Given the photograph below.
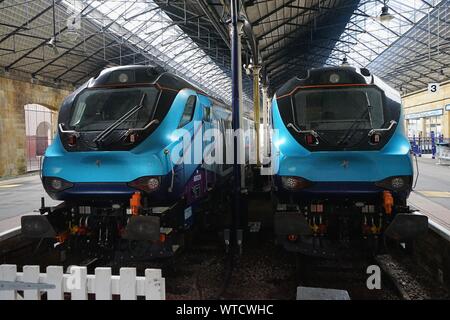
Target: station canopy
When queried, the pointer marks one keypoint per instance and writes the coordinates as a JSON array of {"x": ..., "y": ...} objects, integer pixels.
[
  {"x": 70, "y": 41},
  {"x": 409, "y": 51}
]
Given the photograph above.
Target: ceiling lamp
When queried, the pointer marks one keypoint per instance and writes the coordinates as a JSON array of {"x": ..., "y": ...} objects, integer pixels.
[
  {"x": 442, "y": 75},
  {"x": 385, "y": 16},
  {"x": 52, "y": 44},
  {"x": 71, "y": 36}
]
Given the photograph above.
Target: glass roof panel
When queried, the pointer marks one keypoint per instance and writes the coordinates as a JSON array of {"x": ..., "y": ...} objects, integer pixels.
[
  {"x": 366, "y": 37},
  {"x": 148, "y": 27}
]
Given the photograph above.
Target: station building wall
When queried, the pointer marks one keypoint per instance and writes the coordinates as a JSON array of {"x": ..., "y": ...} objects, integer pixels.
[
  {"x": 426, "y": 111},
  {"x": 14, "y": 95}
]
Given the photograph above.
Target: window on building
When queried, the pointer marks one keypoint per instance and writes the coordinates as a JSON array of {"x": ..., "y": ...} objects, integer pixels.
[{"x": 40, "y": 125}]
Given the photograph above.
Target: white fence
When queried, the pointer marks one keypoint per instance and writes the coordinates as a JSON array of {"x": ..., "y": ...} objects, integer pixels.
[{"x": 103, "y": 285}]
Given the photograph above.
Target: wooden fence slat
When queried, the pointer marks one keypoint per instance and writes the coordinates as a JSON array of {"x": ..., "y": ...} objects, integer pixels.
[
  {"x": 8, "y": 273},
  {"x": 90, "y": 283},
  {"x": 140, "y": 286},
  {"x": 115, "y": 285},
  {"x": 162, "y": 289},
  {"x": 102, "y": 284},
  {"x": 152, "y": 284},
  {"x": 31, "y": 274},
  {"x": 127, "y": 284},
  {"x": 77, "y": 283},
  {"x": 55, "y": 277}
]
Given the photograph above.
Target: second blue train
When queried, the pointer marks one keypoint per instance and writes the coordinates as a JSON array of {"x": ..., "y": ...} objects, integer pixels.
[{"x": 343, "y": 169}]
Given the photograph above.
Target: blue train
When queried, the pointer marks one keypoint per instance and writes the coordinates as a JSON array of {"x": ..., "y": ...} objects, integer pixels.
[
  {"x": 343, "y": 169},
  {"x": 112, "y": 163}
]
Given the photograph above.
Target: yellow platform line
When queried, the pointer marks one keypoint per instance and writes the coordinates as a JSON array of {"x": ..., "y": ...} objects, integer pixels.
[
  {"x": 435, "y": 194},
  {"x": 9, "y": 185}
]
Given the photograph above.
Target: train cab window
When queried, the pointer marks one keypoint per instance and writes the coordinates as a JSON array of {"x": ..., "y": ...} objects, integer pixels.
[
  {"x": 188, "y": 112},
  {"x": 339, "y": 109},
  {"x": 97, "y": 109},
  {"x": 207, "y": 114}
]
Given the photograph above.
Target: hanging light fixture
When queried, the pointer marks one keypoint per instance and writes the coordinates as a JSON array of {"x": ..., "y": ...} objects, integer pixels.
[
  {"x": 385, "y": 16},
  {"x": 52, "y": 44},
  {"x": 73, "y": 27},
  {"x": 442, "y": 75}
]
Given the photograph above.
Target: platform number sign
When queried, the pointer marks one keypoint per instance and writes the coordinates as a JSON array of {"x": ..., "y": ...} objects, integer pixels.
[{"x": 433, "y": 87}]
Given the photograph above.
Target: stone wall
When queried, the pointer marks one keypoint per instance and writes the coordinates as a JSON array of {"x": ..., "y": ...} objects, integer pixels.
[
  {"x": 14, "y": 95},
  {"x": 423, "y": 101}
]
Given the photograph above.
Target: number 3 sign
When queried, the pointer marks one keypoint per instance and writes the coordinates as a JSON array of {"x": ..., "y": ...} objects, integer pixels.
[{"x": 433, "y": 87}]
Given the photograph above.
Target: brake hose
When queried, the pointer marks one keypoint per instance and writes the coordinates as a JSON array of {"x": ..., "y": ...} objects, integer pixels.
[{"x": 417, "y": 169}]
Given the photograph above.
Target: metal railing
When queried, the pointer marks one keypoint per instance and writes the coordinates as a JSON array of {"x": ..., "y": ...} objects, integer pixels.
[{"x": 427, "y": 145}]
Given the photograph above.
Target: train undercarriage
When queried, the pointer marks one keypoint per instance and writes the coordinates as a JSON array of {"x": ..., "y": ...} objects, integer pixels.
[
  {"x": 329, "y": 227},
  {"x": 131, "y": 230}
]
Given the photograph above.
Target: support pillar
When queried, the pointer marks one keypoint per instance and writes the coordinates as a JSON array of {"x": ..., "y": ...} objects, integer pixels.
[
  {"x": 265, "y": 119},
  {"x": 256, "y": 117},
  {"x": 235, "y": 110},
  {"x": 240, "y": 26}
]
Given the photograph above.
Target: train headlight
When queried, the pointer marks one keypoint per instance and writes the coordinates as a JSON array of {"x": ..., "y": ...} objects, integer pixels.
[
  {"x": 53, "y": 184},
  {"x": 294, "y": 183},
  {"x": 147, "y": 184},
  {"x": 123, "y": 77},
  {"x": 334, "y": 78},
  {"x": 399, "y": 183},
  {"x": 56, "y": 184}
]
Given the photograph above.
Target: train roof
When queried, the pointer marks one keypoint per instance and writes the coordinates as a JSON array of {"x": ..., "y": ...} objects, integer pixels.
[
  {"x": 321, "y": 76},
  {"x": 346, "y": 75},
  {"x": 139, "y": 74}
]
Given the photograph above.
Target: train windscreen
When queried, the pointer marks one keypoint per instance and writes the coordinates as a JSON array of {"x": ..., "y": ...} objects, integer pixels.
[
  {"x": 338, "y": 109},
  {"x": 97, "y": 109}
]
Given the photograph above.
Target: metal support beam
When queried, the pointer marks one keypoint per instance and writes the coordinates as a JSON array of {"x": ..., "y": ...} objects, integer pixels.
[
  {"x": 45, "y": 41},
  {"x": 27, "y": 22},
  {"x": 235, "y": 106},
  {"x": 256, "y": 70},
  {"x": 241, "y": 98},
  {"x": 212, "y": 15}
]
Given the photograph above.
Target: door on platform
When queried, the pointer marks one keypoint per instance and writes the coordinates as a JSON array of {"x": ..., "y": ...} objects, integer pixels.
[
  {"x": 414, "y": 128},
  {"x": 433, "y": 124},
  {"x": 40, "y": 128}
]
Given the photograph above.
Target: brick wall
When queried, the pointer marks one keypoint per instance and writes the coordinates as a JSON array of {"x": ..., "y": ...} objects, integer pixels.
[{"x": 14, "y": 95}]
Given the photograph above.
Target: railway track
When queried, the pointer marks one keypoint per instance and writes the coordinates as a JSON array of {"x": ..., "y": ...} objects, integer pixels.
[{"x": 262, "y": 272}]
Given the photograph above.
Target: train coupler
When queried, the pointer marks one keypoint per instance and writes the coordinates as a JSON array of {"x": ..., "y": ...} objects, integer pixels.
[
  {"x": 37, "y": 226},
  {"x": 407, "y": 226},
  {"x": 290, "y": 221},
  {"x": 142, "y": 228}
]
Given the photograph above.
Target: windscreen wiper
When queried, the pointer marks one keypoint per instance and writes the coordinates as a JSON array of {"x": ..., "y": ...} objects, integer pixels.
[
  {"x": 350, "y": 131},
  {"x": 314, "y": 133},
  {"x": 369, "y": 110},
  {"x": 102, "y": 135},
  {"x": 392, "y": 123}
]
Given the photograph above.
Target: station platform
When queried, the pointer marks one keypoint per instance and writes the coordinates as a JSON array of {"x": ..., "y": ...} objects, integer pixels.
[
  {"x": 431, "y": 195},
  {"x": 20, "y": 196}
]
